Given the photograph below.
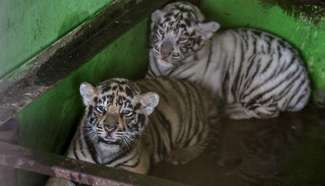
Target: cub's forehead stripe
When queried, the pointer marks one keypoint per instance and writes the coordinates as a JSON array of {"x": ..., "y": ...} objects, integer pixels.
[
  {"x": 123, "y": 95},
  {"x": 188, "y": 12},
  {"x": 119, "y": 91}
]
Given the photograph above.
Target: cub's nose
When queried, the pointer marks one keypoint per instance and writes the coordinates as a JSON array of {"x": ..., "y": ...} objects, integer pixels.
[
  {"x": 111, "y": 123},
  {"x": 166, "y": 49},
  {"x": 110, "y": 128}
]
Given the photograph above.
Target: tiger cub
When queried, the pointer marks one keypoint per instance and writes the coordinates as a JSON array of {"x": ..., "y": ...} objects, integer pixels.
[
  {"x": 130, "y": 125},
  {"x": 257, "y": 74}
]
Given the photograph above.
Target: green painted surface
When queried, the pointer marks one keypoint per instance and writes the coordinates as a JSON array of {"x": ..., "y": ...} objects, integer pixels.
[
  {"x": 301, "y": 31},
  {"x": 49, "y": 122},
  {"x": 52, "y": 116},
  {"x": 27, "y": 26}
]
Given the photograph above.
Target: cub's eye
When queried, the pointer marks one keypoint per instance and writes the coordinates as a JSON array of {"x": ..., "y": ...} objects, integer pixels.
[
  {"x": 155, "y": 38},
  {"x": 100, "y": 109},
  {"x": 182, "y": 25},
  {"x": 127, "y": 112}
]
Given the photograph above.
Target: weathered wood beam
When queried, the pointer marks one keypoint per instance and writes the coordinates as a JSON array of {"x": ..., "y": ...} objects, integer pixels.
[
  {"x": 9, "y": 134},
  {"x": 78, "y": 171},
  {"x": 24, "y": 84}
]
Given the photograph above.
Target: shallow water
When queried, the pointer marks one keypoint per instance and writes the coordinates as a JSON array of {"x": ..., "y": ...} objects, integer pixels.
[{"x": 288, "y": 150}]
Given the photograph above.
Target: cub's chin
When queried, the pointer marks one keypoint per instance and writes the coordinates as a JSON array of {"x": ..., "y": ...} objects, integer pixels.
[{"x": 107, "y": 139}]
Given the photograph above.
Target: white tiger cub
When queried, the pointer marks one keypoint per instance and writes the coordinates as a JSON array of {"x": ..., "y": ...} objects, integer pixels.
[
  {"x": 131, "y": 125},
  {"x": 257, "y": 74}
]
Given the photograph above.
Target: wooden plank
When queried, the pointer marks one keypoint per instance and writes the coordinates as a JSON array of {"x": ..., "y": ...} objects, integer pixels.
[
  {"x": 8, "y": 133},
  {"x": 77, "y": 171},
  {"x": 20, "y": 87}
]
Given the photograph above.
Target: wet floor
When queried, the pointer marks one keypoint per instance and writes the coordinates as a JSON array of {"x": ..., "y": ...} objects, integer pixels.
[{"x": 288, "y": 150}]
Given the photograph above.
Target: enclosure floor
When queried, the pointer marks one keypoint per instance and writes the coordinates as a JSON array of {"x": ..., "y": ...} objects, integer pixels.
[{"x": 247, "y": 152}]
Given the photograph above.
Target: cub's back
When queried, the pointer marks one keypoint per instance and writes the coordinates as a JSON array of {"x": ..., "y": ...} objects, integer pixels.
[
  {"x": 254, "y": 41},
  {"x": 181, "y": 96}
]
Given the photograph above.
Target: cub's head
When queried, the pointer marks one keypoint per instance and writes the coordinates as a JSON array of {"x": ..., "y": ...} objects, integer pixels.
[
  {"x": 116, "y": 110},
  {"x": 178, "y": 31}
]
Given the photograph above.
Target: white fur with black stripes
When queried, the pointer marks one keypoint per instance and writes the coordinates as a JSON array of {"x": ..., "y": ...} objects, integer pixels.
[{"x": 256, "y": 73}]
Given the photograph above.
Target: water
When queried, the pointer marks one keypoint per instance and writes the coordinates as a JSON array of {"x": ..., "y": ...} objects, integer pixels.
[{"x": 288, "y": 150}]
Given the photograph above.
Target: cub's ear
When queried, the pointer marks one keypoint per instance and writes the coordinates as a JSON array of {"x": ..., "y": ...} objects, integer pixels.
[
  {"x": 156, "y": 15},
  {"x": 148, "y": 102},
  {"x": 88, "y": 92},
  {"x": 207, "y": 29}
]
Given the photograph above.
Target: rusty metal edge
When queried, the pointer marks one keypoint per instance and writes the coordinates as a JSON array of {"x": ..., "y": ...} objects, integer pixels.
[{"x": 21, "y": 86}]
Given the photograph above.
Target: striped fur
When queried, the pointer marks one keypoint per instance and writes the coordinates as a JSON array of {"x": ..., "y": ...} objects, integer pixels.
[
  {"x": 257, "y": 74},
  {"x": 125, "y": 127}
]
